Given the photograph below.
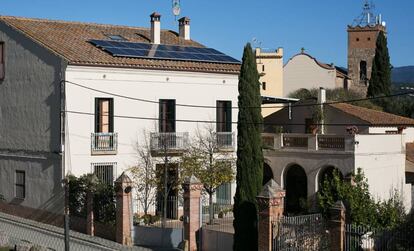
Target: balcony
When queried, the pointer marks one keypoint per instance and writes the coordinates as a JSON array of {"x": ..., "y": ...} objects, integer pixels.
[
  {"x": 225, "y": 141},
  {"x": 104, "y": 143},
  {"x": 309, "y": 142},
  {"x": 170, "y": 143}
]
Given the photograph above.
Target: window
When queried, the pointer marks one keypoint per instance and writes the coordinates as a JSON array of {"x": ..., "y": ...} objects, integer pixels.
[
  {"x": 2, "y": 64},
  {"x": 117, "y": 37},
  {"x": 264, "y": 86},
  {"x": 167, "y": 115},
  {"x": 105, "y": 172},
  {"x": 104, "y": 115},
  {"x": 223, "y": 194},
  {"x": 363, "y": 71},
  {"x": 223, "y": 113},
  {"x": 20, "y": 184}
]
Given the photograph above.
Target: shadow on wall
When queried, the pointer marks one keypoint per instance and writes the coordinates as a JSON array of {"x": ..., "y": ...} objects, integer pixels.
[{"x": 157, "y": 237}]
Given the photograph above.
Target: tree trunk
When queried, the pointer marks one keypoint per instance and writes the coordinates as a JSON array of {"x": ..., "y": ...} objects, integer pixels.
[{"x": 211, "y": 208}]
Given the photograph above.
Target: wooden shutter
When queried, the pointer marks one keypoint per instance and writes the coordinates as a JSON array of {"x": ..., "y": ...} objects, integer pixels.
[
  {"x": 97, "y": 115},
  {"x": 228, "y": 111},
  {"x": 111, "y": 115}
]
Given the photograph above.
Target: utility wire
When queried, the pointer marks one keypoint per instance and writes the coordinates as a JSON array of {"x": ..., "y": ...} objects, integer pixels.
[
  {"x": 249, "y": 123},
  {"x": 236, "y": 107}
]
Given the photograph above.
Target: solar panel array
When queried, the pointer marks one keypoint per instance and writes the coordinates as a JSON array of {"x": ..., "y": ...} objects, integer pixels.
[{"x": 170, "y": 52}]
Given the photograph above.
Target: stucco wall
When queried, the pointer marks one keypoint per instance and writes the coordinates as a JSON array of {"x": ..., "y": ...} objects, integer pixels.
[
  {"x": 302, "y": 71},
  {"x": 30, "y": 121}
]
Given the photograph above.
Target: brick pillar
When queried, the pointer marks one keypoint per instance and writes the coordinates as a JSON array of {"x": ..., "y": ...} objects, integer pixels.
[
  {"x": 192, "y": 221},
  {"x": 337, "y": 226},
  {"x": 123, "y": 186},
  {"x": 90, "y": 226},
  {"x": 270, "y": 202}
]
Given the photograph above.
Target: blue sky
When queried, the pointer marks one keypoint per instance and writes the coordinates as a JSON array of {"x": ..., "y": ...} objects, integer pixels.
[{"x": 318, "y": 26}]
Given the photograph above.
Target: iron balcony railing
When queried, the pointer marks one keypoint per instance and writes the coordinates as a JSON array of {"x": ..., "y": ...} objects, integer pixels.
[
  {"x": 169, "y": 141},
  {"x": 225, "y": 140},
  {"x": 104, "y": 143}
]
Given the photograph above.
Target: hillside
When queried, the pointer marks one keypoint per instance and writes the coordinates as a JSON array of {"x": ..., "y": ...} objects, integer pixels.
[{"x": 403, "y": 74}]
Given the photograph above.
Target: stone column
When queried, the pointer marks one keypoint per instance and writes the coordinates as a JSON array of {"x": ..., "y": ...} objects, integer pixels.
[
  {"x": 192, "y": 221},
  {"x": 270, "y": 202},
  {"x": 337, "y": 226},
  {"x": 123, "y": 187}
]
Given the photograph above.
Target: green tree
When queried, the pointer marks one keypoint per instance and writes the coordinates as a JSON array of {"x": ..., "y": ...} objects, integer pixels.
[
  {"x": 249, "y": 155},
  {"x": 380, "y": 82},
  {"x": 205, "y": 160}
]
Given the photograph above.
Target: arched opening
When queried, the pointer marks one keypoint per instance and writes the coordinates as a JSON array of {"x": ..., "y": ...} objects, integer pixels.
[
  {"x": 327, "y": 173},
  {"x": 267, "y": 173},
  {"x": 363, "y": 71},
  {"x": 296, "y": 185}
]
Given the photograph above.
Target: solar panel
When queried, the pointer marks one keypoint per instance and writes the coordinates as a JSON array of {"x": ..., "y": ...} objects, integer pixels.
[{"x": 170, "y": 52}]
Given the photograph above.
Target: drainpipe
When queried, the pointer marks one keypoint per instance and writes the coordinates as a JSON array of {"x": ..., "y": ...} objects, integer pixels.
[{"x": 322, "y": 101}]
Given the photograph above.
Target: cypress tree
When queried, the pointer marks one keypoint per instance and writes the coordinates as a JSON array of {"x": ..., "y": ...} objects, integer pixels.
[
  {"x": 380, "y": 82},
  {"x": 249, "y": 155}
]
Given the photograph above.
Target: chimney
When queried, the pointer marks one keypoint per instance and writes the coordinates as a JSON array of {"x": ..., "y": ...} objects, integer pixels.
[
  {"x": 322, "y": 101},
  {"x": 155, "y": 28},
  {"x": 184, "y": 28}
]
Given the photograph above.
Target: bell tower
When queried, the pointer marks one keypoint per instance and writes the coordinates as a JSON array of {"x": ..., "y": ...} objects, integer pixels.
[{"x": 362, "y": 38}]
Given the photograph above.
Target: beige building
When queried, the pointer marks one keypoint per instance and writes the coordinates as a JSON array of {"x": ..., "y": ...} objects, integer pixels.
[
  {"x": 305, "y": 71},
  {"x": 270, "y": 68}
]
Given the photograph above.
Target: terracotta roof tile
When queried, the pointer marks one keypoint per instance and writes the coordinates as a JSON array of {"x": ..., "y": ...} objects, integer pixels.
[
  {"x": 373, "y": 117},
  {"x": 70, "y": 41}
]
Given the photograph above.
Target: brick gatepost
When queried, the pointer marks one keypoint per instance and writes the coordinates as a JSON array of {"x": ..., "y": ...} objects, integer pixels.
[
  {"x": 123, "y": 187},
  {"x": 337, "y": 226},
  {"x": 270, "y": 203},
  {"x": 192, "y": 221}
]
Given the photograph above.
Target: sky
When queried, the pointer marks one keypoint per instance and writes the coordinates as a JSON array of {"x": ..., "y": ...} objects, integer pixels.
[{"x": 227, "y": 25}]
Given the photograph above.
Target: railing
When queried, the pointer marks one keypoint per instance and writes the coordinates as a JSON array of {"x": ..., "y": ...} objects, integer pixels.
[
  {"x": 294, "y": 141},
  {"x": 309, "y": 142},
  {"x": 104, "y": 143},
  {"x": 225, "y": 140},
  {"x": 170, "y": 141},
  {"x": 331, "y": 142}
]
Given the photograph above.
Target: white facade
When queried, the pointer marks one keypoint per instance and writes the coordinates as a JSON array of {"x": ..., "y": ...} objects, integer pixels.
[
  {"x": 381, "y": 157},
  {"x": 185, "y": 87},
  {"x": 303, "y": 71}
]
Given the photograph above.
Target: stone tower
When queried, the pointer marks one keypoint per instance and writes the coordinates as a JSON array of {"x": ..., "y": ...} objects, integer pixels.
[{"x": 362, "y": 38}]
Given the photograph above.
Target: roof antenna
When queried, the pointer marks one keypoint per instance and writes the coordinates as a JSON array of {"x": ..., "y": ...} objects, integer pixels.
[
  {"x": 176, "y": 8},
  {"x": 367, "y": 17}
]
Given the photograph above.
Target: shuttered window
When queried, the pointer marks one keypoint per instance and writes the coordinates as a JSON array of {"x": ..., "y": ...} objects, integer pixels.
[
  {"x": 223, "y": 114},
  {"x": 104, "y": 115},
  {"x": 167, "y": 115},
  {"x": 20, "y": 184}
]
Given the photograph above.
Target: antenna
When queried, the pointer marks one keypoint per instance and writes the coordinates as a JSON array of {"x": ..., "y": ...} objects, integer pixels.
[
  {"x": 367, "y": 18},
  {"x": 176, "y": 8}
]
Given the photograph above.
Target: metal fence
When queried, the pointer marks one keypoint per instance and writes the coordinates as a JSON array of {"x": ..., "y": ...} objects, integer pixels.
[
  {"x": 225, "y": 140},
  {"x": 169, "y": 141},
  {"x": 104, "y": 142},
  {"x": 366, "y": 238},
  {"x": 300, "y": 233},
  {"x": 219, "y": 216}
]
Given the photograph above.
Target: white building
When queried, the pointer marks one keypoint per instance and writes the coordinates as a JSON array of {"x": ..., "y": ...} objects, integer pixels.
[
  {"x": 299, "y": 160},
  {"x": 116, "y": 82},
  {"x": 305, "y": 71}
]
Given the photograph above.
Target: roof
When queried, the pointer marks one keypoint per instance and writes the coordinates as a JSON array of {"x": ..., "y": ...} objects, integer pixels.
[
  {"x": 339, "y": 71},
  {"x": 373, "y": 117},
  {"x": 69, "y": 40}
]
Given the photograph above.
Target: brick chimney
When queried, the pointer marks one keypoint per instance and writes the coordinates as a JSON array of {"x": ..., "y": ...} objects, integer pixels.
[
  {"x": 184, "y": 28},
  {"x": 155, "y": 28}
]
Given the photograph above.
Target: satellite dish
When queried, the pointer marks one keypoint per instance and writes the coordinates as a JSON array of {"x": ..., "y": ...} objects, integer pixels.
[{"x": 176, "y": 8}]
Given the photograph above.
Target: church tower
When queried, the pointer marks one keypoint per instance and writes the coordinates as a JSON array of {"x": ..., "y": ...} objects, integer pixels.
[{"x": 362, "y": 38}]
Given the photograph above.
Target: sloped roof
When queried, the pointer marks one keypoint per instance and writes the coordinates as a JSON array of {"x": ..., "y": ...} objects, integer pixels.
[
  {"x": 373, "y": 117},
  {"x": 69, "y": 40}
]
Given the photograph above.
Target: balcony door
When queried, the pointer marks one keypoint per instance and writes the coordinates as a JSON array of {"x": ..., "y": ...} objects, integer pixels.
[
  {"x": 104, "y": 116},
  {"x": 167, "y": 115},
  {"x": 223, "y": 114}
]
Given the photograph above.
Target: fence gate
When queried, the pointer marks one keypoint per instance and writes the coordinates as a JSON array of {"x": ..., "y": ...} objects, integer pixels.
[{"x": 300, "y": 233}]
